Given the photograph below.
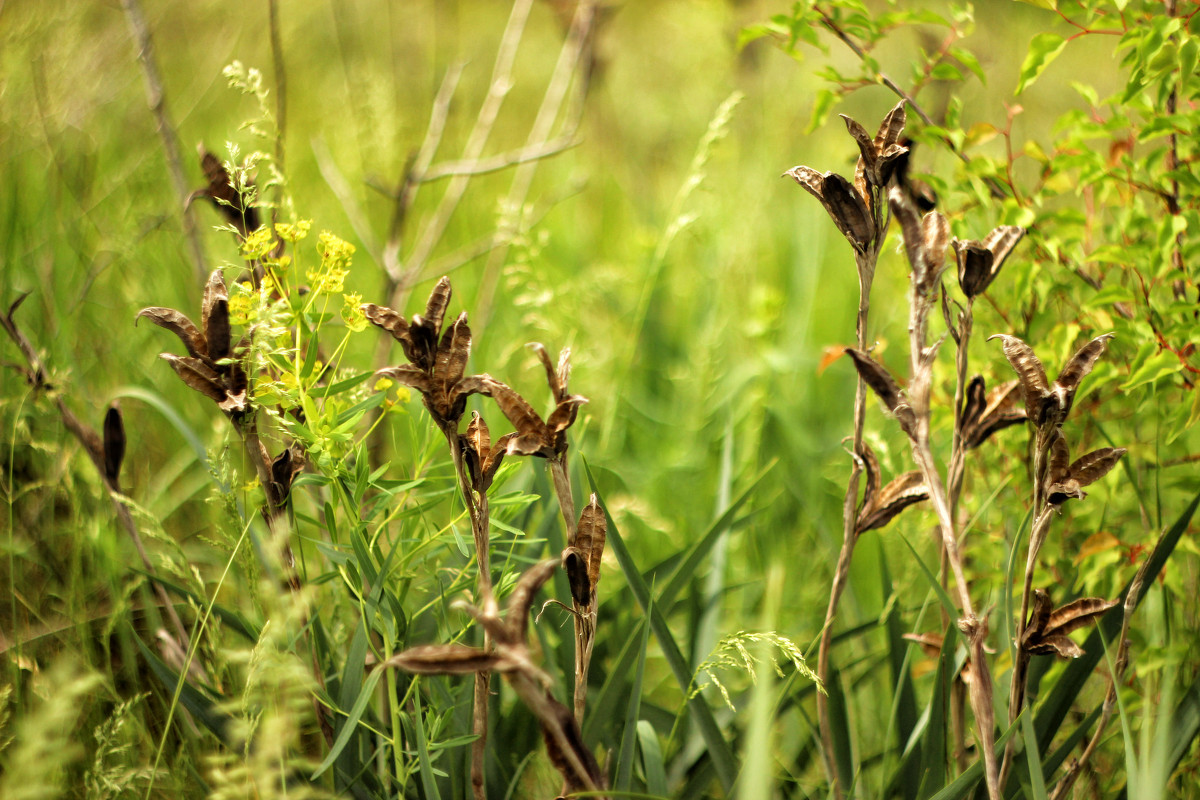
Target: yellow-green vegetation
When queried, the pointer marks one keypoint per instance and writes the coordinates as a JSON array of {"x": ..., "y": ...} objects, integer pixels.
[{"x": 447, "y": 399}]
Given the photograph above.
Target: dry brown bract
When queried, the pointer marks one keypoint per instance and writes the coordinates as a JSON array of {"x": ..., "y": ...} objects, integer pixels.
[
  {"x": 881, "y": 505},
  {"x": 1048, "y": 404},
  {"x": 208, "y": 367},
  {"x": 437, "y": 364},
  {"x": 1046, "y": 633},
  {"x": 986, "y": 412}
]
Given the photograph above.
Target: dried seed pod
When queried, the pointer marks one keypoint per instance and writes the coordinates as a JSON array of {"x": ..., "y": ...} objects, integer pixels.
[
  {"x": 1047, "y": 404},
  {"x": 215, "y": 317},
  {"x": 898, "y": 495},
  {"x": 844, "y": 203},
  {"x": 925, "y": 241},
  {"x": 1066, "y": 481},
  {"x": 228, "y": 201},
  {"x": 980, "y": 261},
  {"x": 575, "y": 564},
  {"x": 1047, "y": 631},
  {"x": 996, "y": 411},
  {"x": 521, "y": 599},
  {"x": 446, "y": 659},
  {"x": 178, "y": 324},
  {"x": 114, "y": 445},
  {"x": 594, "y": 525},
  {"x": 880, "y": 154},
  {"x": 197, "y": 375},
  {"x": 883, "y": 384}
]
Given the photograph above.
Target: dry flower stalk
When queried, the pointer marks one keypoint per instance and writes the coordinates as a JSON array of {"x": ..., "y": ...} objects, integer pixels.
[{"x": 860, "y": 212}]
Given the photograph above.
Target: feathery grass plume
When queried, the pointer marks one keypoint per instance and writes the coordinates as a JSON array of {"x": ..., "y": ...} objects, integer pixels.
[
  {"x": 45, "y": 747},
  {"x": 733, "y": 653}
]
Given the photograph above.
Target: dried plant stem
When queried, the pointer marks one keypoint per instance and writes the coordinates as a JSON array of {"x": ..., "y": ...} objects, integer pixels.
[
  {"x": 156, "y": 99},
  {"x": 488, "y": 111},
  {"x": 866, "y": 273},
  {"x": 975, "y": 628},
  {"x": 477, "y": 510},
  {"x": 1020, "y": 673},
  {"x": 570, "y": 57},
  {"x": 585, "y": 615},
  {"x": 280, "y": 71}
]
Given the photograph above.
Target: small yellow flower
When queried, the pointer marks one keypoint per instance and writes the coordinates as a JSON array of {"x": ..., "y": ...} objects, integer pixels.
[
  {"x": 258, "y": 243},
  {"x": 352, "y": 315},
  {"x": 293, "y": 232}
]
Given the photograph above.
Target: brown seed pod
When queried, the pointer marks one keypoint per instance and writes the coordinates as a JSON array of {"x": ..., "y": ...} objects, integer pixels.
[
  {"x": 1045, "y": 403},
  {"x": 228, "y": 201},
  {"x": 446, "y": 659},
  {"x": 114, "y": 445},
  {"x": 980, "y": 261},
  {"x": 1047, "y": 631},
  {"x": 883, "y": 384},
  {"x": 898, "y": 495}
]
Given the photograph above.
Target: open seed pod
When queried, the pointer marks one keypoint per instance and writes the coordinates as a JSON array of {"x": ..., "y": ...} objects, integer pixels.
[
  {"x": 925, "y": 240},
  {"x": 535, "y": 437},
  {"x": 881, "y": 504},
  {"x": 985, "y": 412},
  {"x": 438, "y": 358},
  {"x": 1046, "y": 403},
  {"x": 208, "y": 367},
  {"x": 225, "y": 197},
  {"x": 482, "y": 456},
  {"x": 979, "y": 261},
  {"x": 883, "y": 384},
  {"x": 582, "y": 559},
  {"x": 1047, "y": 630},
  {"x": 1065, "y": 479}
]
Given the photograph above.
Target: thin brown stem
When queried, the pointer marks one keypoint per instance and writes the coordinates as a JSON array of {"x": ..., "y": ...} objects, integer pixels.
[
  {"x": 866, "y": 273},
  {"x": 280, "y": 70},
  {"x": 156, "y": 99}
]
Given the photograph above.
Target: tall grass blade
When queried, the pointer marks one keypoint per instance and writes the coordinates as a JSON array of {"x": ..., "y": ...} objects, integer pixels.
[
  {"x": 652, "y": 760},
  {"x": 197, "y": 702},
  {"x": 624, "y": 770}
]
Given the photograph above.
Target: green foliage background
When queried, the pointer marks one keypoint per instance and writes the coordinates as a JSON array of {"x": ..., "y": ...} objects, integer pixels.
[{"x": 699, "y": 293}]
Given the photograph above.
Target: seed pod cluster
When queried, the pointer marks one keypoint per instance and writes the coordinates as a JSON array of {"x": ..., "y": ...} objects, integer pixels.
[
  {"x": 1048, "y": 404},
  {"x": 854, "y": 207},
  {"x": 209, "y": 367}
]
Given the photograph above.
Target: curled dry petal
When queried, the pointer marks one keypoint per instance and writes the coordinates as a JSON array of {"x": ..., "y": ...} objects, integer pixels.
[
  {"x": 1077, "y": 614},
  {"x": 391, "y": 321},
  {"x": 590, "y": 536},
  {"x": 178, "y": 324},
  {"x": 873, "y": 482},
  {"x": 114, "y": 444}
]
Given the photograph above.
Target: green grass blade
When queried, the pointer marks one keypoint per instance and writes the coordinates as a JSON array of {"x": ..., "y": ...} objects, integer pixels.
[
  {"x": 351, "y": 722},
  {"x": 932, "y": 766},
  {"x": 1037, "y": 784},
  {"x": 198, "y": 704},
  {"x": 964, "y": 784},
  {"x": 624, "y": 770},
  {"x": 602, "y": 708},
  {"x": 719, "y": 751},
  {"x": 652, "y": 759},
  {"x": 947, "y": 603}
]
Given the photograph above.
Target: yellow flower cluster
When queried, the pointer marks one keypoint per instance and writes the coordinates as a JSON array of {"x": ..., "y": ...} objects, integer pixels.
[{"x": 335, "y": 264}]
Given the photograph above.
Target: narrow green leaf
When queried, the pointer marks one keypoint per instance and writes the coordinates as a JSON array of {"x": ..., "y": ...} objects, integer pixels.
[
  {"x": 1037, "y": 784},
  {"x": 351, "y": 722},
  {"x": 839, "y": 727},
  {"x": 197, "y": 702},
  {"x": 652, "y": 759},
  {"x": 624, "y": 770},
  {"x": 1044, "y": 48},
  {"x": 947, "y": 603},
  {"x": 428, "y": 782},
  {"x": 962, "y": 786},
  {"x": 933, "y": 755}
]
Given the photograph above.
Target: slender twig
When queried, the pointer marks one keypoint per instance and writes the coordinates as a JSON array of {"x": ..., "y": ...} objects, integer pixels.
[
  {"x": 570, "y": 58},
  {"x": 490, "y": 108},
  {"x": 156, "y": 99}
]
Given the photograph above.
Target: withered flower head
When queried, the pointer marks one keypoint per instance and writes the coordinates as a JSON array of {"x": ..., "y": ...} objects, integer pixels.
[
  {"x": 1047, "y": 630},
  {"x": 852, "y": 206},
  {"x": 224, "y": 195},
  {"x": 881, "y": 505},
  {"x": 207, "y": 368},
  {"x": 986, "y": 412},
  {"x": 534, "y": 437},
  {"x": 1047, "y": 404},
  {"x": 980, "y": 262},
  {"x": 438, "y": 364},
  {"x": 1065, "y": 479}
]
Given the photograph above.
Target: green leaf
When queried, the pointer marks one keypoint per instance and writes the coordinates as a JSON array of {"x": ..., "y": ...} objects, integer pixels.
[
  {"x": 1044, "y": 48},
  {"x": 428, "y": 783},
  {"x": 197, "y": 702},
  {"x": 1155, "y": 367},
  {"x": 652, "y": 759},
  {"x": 1037, "y": 784},
  {"x": 624, "y": 770},
  {"x": 351, "y": 721}
]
